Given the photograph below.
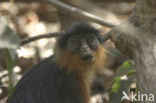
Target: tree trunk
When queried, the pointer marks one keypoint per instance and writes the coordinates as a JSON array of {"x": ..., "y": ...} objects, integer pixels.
[{"x": 137, "y": 39}]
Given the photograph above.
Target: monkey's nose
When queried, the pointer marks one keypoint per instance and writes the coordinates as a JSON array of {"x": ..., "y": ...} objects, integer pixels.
[{"x": 84, "y": 49}]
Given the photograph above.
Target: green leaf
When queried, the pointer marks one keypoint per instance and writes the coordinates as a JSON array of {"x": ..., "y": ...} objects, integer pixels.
[
  {"x": 10, "y": 64},
  {"x": 131, "y": 72},
  {"x": 127, "y": 64},
  {"x": 115, "y": 87},
  {"x": 8, "y": 37},
  {"x": 116, "y": 84},
  {"x": 116, "y": 79}
]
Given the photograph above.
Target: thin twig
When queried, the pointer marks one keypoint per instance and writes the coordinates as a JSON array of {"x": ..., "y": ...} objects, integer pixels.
[
  {"x": 57, "y": 34},
  {"x": 28, "y": 40},
  {"x": 80, "y": 13}
]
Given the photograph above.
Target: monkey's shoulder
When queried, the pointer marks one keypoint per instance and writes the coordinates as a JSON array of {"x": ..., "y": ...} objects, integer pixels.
[
  {"x": 46, "y": 81},
  {"x": 44, "y": 72}
]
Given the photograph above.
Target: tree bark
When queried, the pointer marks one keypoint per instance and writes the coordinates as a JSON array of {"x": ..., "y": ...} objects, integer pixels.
[{"x": 137, "y": 39}]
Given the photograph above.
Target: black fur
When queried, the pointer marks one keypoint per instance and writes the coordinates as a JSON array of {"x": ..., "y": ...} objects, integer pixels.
[
  {"x": 77, "y": 29},
  {"x": 46, "y": 83}
]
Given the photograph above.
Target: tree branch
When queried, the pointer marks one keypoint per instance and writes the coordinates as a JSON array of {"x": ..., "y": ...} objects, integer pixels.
[
  {"x": 80, "y": 13},
  {"x": 57, "y": 34},
  {"x": 28, "y": 40}
]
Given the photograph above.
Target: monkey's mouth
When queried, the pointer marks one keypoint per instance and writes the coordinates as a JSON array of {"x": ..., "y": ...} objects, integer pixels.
[{"x": 87, "y": 58}]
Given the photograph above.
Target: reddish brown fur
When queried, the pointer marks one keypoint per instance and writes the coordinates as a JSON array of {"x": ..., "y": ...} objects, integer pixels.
[{"x": 83, "y": 71}]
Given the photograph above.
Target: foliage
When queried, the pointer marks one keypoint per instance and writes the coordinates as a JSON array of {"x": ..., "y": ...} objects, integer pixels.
[
  {"x": 123, "y": 78},
  {"x": 8, "y": 37},
  {"x": 9, "y": 43}
]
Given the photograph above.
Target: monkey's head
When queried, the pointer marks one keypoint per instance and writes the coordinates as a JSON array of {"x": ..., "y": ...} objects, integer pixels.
[{"x": 80, "y": 44}]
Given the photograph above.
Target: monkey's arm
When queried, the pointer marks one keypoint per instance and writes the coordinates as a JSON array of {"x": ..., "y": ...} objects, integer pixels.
[{"x": 46, "y": 83}]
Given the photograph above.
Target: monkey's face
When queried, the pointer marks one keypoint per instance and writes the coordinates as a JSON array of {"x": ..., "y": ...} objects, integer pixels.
[{"x": 83, "y": 46}]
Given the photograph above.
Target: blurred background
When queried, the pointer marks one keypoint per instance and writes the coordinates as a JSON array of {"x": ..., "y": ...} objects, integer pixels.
[{"x": 21, "y": 19}]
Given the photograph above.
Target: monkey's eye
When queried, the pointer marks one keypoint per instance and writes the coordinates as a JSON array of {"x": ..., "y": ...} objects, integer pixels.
[
  {"x": 90, "y": 40},
  {"x": 75, "y": 42}
]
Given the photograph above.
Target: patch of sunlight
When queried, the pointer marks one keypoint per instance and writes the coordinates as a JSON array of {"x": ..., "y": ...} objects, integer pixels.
[{"x": 26, "y": 52}]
